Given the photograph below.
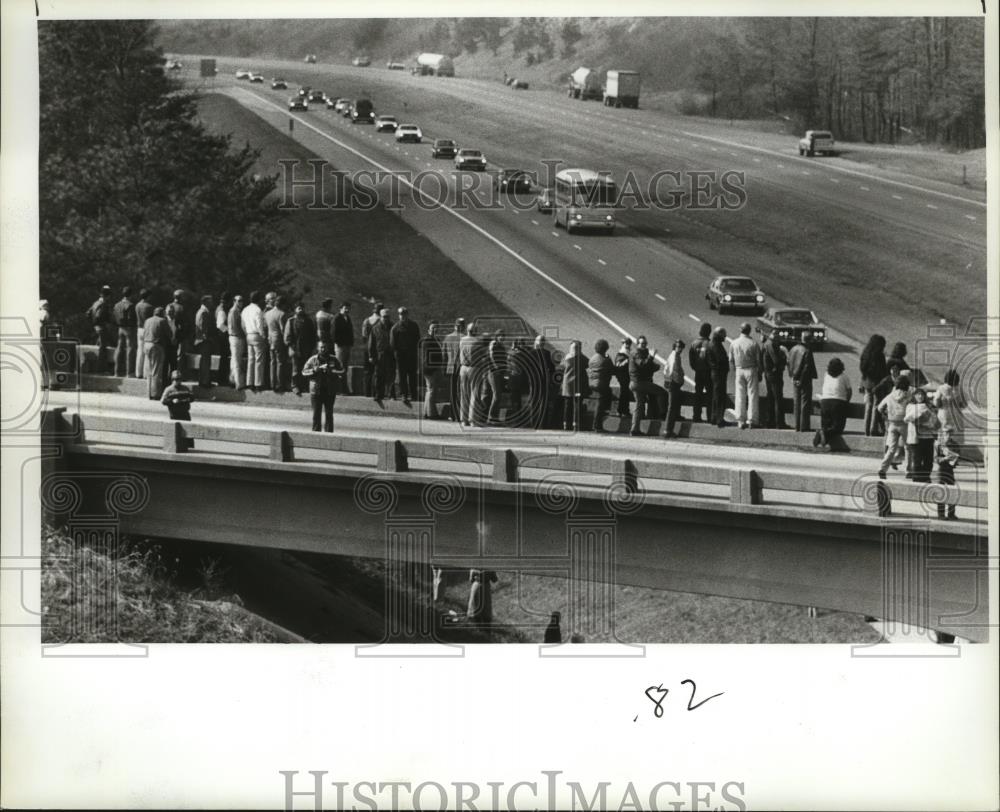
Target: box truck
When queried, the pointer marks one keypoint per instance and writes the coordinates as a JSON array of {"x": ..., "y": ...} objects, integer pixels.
[{"x": 621, "y": 89}]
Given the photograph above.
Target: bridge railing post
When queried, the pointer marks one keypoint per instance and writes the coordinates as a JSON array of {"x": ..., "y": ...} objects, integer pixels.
[
  {"x": 504, "y": 465},
  {"x": 392, "y": 456},
  {"x": 625, "y": 472},
  {"x": 745, "y": 487},
  {"x": 282, "y": 447},
  {"x": 175, "y": 439}
]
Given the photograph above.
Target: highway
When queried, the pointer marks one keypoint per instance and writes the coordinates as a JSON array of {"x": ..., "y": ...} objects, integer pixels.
[{"x": 814, "y": 232}]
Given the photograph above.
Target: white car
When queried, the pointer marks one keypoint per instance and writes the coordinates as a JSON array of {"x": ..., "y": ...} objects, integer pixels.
[
  {"x": 409, "y": 132},
  {"x": 386, "y": 124},
  {"x": 243, "y": 74},
  {"x": 257, "y": 78},
  {"x": 470, "y": 159},
  {"x": 341, "y": 105}
]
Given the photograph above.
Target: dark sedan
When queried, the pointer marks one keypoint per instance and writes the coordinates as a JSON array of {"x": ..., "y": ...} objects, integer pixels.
[
  {"x": 514, "y": 180},
  {"x": 786, "y": 324},
  {"x": 444, "y": 148},
  {"x": 734, "y": 293},
  {"x": 279, "y": 84},
  {"x": 298, "y": 103}
]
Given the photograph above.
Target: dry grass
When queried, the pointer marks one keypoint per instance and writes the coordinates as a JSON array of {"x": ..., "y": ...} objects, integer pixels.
[{"x": 89, "y": 596}]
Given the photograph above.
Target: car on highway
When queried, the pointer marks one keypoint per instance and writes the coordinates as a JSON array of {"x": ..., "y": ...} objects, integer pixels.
[
  {"x": 362, "y": 112},
  {"x": 470, "y": 159},
  {"x": 386, "y": 124},
  {"x": 298, "y": 103},
  {"x": 409, "y": 132},
  {"x": 395, "y": 66},
  {"x": 785, "y": 326},
  {"x": 173, "y": 64},
  {"x": 585, "y": 199},
  {"x": 734, "y": 293},
  {"x": 304, "y": 90},
  {"x": 443, "y": 148},
  {"x": 545, "y": 200},
  {"x": 361, "y": 61},
  {"x": 513, "y": 180},
  {"x": 310, "y": 59},
  {"x": 317, "y": 97},
  {"x": 341, "y": 106},
  {"x": 278, "y": 84},
  {"x": 257, "y": 78},
  {"x": 816, "y": 141},
  {"x": 243, "y": 74}
]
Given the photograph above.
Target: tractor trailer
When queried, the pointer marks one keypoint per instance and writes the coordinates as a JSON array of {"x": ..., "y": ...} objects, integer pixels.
[
  {"x": 621, "y": 89},
  {"x": 434, "y": 65},
  {"x": 585, "y": 83}
]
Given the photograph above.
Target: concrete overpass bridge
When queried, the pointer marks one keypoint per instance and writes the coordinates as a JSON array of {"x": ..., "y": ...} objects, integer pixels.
[{"x": 643, "y": 514}]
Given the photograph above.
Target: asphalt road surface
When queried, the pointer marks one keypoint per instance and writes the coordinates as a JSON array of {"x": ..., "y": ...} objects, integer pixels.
[{"x": 859, "y": 247}]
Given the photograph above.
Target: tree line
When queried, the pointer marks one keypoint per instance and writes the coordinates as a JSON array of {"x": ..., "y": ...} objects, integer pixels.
[
  {"x": 132, "y": 189},
  {"x": 878, "y": 79}
]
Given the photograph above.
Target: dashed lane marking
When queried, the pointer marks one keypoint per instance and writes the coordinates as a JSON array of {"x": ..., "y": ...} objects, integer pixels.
[
  {"x": 555, "y": 233},
  {"x": 577, "y": 247},
  {"x": 602, "y": 262},
  {"x": 660, "y": 297},
  {"x": 865, "y": 189},
  {"x": 833, "y": 180},
  {"x": 896, "y": 197},
  {"x": 629, "y": 278},
  {"x": 970, "y": 217},
  {"x": 693, "y": 316},
  {"x": 534, "y": 222},
  {"x": 931, "y": 206}
]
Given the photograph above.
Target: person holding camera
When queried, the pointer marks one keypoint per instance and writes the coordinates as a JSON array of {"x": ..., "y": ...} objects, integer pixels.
[{"x": 323, "y": 371}]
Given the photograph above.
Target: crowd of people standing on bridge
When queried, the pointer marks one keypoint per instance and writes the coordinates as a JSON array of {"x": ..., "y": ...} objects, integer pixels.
[{"x": 489, "y": 380}]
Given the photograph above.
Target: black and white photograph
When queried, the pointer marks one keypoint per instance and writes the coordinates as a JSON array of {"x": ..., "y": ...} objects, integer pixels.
[{"x": 662, "y": 349}]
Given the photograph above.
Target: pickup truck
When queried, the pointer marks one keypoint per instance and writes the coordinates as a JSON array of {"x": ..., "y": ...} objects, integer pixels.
[{"x": 816, "y": 141}]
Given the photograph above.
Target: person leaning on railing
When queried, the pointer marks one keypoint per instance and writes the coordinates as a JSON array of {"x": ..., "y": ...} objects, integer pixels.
[
  {"x": 873, "y": 368},
  {"x": 833, "y": 399}
]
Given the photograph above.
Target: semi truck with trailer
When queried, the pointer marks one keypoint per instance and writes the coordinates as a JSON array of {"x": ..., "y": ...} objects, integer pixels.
[{"x": 621, "y": 89}]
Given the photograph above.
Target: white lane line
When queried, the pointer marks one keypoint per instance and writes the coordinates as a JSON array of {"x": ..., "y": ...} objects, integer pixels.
[
  {"x": 840, "y": 169},
  {"x": 806, "y": 172},
  {"x": 515, "y": 211},
  {"x": 756, "y": 160},
  {"x": 733, "y": 154},
  {"x": 555, "y": 233},
  {"x": 629, "y": 278},
  {"x": 602, "y": 262},
  {"x": 970, "y": 217},
  {"x": 667, "y": 230},
  {"x": 931, "y": 206},
  {"x": 577, "y": 247},
  {"x": 833, "y": 180},
  {"x": 660, "y": 297},
  {"x": 478, "y": 229},
  {"x": 534, "y": 222},
  {"x": 781, "y": 166},
  {"x": 896, "y": 197},
  {"x": 693, "y": 316},
  {"x": 865, "y": 189}
]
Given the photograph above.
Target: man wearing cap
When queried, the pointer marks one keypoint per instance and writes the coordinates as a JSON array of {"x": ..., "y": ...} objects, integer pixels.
[
  {"x": 204, "y": 340},
  {"x": 143, "y": 310},
  {"x": 452, "y": 342},
  {"x": 237, "y": 344},
  {"x": 380, "y": 355},
  {"x": 177, "y": 398},
  {"x": 252, "y": 318},
  {"x": 673, "y": 378},
  {"x": 802, "y": 371},
  {"x": 405, "y": 340},
  {"x": 366, "y": 331},
  {"x": 343, "y": 343},
  {"x": 156, "y": 340},
  {"x": 744, "y": 358},
  {"x": 275, "y": 319},
  {"x": 125, "y": 320},
  {"x": 102, "y": 318}
]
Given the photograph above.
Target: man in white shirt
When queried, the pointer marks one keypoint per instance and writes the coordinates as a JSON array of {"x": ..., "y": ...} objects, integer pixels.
[
  {"x": 256, "y": 337},
  {"x": 744, "y": 358}
]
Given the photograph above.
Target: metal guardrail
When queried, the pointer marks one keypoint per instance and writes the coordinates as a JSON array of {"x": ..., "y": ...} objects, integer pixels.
[{"x": 747, "y": 486}]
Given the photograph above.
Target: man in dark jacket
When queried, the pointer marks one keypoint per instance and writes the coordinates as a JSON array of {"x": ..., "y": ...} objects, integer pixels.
[
  {"x": 205, "y": 340},
  {"x": 575, "y": 385},
  {"x": 621, "y": 360},
  {"x": 366, "y": 331},
  {"x": 542, "y": 385},
  {"x": 775, "y": 360},
  {"x": 718, "y": 366},
  {"x": 380, "y": 355},
  {"x": 183, "y": 332},
  {"x": 102, "y": 318},
  {"x": 600, "y": 369},
  {"x": 405, "y": 339},
  {"x": 433, "y": 363},
  {"x": 300, "y": 338},
  {"x": 641, "y": 369},
  {"x": 519, "y": 362},
  {"x": 698, "y": 361},
  {"x": 127, "y": 323},
  {"x": 343, "y": 342},
  {"x": 322, "y": 371},
  {"x": 143, "y": 310},
  {"x": 802, "y": 371}
]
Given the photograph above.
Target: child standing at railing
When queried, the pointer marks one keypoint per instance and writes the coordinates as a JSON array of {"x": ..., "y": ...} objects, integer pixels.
[{"x": 893, "y": 410}]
